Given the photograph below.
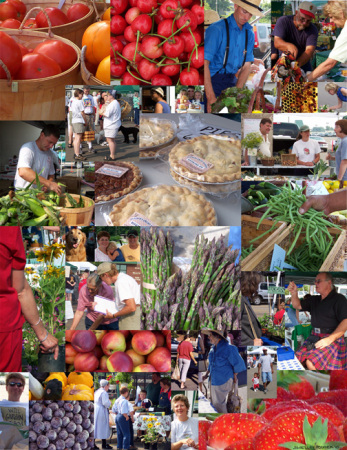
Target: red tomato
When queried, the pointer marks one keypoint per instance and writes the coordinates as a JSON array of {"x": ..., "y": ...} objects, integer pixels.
[
  {"x": 36, "y": 66},
  {"x": 20, "y": 7},
  {"x": 30, "y": 23},
  {"x": 24, "y": 50},
  {"x": 11, "y": 23},
  {"x": 10, "y": 54},
  {"x": 60, "y": 52},
  {"x": 77, "y": 11},
  {"x": 7, "y": 11},
  {"x": 56, "y": 15}
]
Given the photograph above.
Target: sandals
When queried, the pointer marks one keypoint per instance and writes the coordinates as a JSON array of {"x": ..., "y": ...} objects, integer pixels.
[
  {"x": 108, "y": 158},
  {"x": 79, "y": 158},
  {"x": 70, "y": 145}
]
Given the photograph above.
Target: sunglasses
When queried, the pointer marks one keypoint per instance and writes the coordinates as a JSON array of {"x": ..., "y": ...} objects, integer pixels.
[{"x": 12, "y": 383}]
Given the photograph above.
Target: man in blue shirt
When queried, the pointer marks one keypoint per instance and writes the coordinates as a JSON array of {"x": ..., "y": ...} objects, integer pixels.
[
  {"x": 297, "y": 35},
  {"x": 224, "y": 363},
  {"x": 121, "y": 409},
  {"x": 224, "y": 58}
]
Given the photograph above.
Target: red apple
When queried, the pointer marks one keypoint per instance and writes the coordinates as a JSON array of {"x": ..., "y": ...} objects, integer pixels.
[
  {"x": 83, "y": 341},
  {"x": 160, "y": 358},
  {"x": 99, "y": 335},
  {"x": 120, "y": 362},
  {"x": 137, "y": 359},
  {"x": 86, "y": 362},
  {"x": 103, "y": 363},
  {"x": 98, "y": 352},
  {"x": 160, "y": 338},
  {"x": 70, "y": 354},
  {"x": 145, "y": 368},
  {"x": 144, "y": 342},
  {"x": 113, "y": 341},
  {"x": 69, "y": 334}
]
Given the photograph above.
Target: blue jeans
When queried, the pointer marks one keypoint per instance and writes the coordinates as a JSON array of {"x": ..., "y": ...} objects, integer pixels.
[
  {"x": 137, "y": 116},
  {"x": 266, "y": 377},
  {"x": 110, "y": 326},
  {"x": 123, "y": 432}
]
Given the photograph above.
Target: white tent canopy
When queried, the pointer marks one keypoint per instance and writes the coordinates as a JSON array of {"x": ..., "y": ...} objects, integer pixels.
[
  {"x": 84, "y": 265},
  {"x": 259, "y": 351}
]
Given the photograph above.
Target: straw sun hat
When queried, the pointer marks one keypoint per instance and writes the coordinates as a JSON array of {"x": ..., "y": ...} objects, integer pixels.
[{"x": 251, "y": 6}]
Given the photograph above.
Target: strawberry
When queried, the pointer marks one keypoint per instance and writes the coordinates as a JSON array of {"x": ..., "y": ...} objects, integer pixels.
[
  {"x": 330, "y": 412},
  {"x": 245, "y": 444},
  {"x": 202, "y": 442},
  {"x": 295, "y": 383},
  {"x": 282, "y": 396},
  {"x": 293, "y": 429},
  {"x": 337, "y": 398},
  {"x": 338, "y": 380},
  {"x": 229, "y": 428},
  {"x": 278, "y": 409},
  {"x": 204, "y": 426},
  {"x": 345, "y": 430}
]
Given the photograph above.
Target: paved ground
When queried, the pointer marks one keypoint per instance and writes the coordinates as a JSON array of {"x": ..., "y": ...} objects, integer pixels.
[
  {"x": 137, "y": 443},
  {"x": 271, "y": 388},
  {"x": 191, "y": 383},
  {"x": 242, "y": 392}
]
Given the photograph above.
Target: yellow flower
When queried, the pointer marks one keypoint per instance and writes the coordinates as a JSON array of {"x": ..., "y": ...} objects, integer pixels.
[{"x": 150, "y": 425}]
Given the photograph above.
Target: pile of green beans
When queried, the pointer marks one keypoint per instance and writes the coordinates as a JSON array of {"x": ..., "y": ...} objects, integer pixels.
[{"x": 285, "y": 207}]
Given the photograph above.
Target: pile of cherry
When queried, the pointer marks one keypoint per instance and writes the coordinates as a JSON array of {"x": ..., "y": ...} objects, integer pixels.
[{"x": 157, "y": 44}]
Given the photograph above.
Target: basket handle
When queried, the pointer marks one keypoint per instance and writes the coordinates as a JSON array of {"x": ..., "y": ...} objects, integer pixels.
[
  {"x": 98, "y": 17},
  {"x": 8, "y": 74},
  {"x": 84, "y": 69},
  {"x": 50, "y": 33},
  {"x": 251, "y": 103}
]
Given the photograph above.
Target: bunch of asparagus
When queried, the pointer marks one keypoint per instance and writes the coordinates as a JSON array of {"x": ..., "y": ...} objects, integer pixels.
[{"x": 208, "y": 295}]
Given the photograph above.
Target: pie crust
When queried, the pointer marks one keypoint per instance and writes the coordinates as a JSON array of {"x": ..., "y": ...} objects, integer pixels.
[
  {"x": 224, "y": 154},
  {"x": 217, "y": 189},
  {"x": 108, "y": 188},
  {"x": 166, "y": 205},
  {"x": 155, "y": 132}
]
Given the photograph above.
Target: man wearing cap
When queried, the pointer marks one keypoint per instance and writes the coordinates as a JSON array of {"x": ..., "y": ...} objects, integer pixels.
[
  {"x": 161, "y": 106},
  {"x": 297, "y": 35},
  {"x": 224, "y": 363},
  {"x": 228, "y": 50},
  {"x": 265, "y": 362},
  {"x": 264, "y": 128},
  {"x": 127, "y": 293},
  {"x": 101, "y": 417},
  {"x": 307, "y": 150},
  {"x": 89, "y": 105},
  {"x": 95, "y": 286},
  {"x": 131, "y": 250}
]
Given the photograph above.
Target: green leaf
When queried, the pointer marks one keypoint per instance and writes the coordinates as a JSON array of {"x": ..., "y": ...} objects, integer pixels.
[
  {"x": 332, "y": 445},
  {"x": 319, "y": 431},
  {"x": 230, "y": 101},
  {"x": 293, "y": 446}
]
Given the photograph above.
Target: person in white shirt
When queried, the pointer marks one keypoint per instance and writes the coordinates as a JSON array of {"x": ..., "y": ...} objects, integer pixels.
[
  {"x": 90, "y": 105},
  {"x": 37, "y": 158},
  {"x": 184, "y": 429},
  {"x": 122, "y": 411},
  {"x": 307, "y": 150},
  {"x": 127, "y": 293},
  {"x": 264, "y": 128},
  {"x": 111, "y": 112},
  {"x": 15, "y": 384},
  {"x": 78, "y": 121}
]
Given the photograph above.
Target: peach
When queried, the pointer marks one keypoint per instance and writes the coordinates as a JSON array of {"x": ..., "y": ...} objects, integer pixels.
[
  {"x": 137, "y": 359},
  {"x": 144, "y": 368},
  {"x": 83, "y": 341},
  {"x": 120, "y": 362},
  {"x": 144, "y": 342},
  {"x": 160, "y": 358},
  {"x": 99, "y": 335},
  {"x": 160, "y": 338},
  {"x": 70, "y": 354},
  {"x": 86, "y": 362},
  {"x": 102, "y": 363},
  {"x": 113, "y": 341}
]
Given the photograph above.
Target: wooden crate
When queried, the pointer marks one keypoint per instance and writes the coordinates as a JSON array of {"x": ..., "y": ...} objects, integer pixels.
[
  {"x": 289, "y": 160},
  {"x": 78, "y": 216}
]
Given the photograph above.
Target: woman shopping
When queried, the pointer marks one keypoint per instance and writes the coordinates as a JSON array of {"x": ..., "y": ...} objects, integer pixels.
[
  {"x": 341, "y": 152},
  {"x": 184, "y": 356},
  {"x": 17, "y": 304}
]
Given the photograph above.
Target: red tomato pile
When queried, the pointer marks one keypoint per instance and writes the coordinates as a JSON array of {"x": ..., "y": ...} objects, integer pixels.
[
  {"x": 118, "y": 351},
  {"x": 157, "y": 43},
  {"x": 12, "y": 13},
  {"x": 50, "y": 57}
]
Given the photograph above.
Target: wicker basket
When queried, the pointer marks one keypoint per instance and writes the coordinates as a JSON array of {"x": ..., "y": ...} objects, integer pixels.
[
  {"x": 125, "y": 107},
  {"x": 288, "y": 160},
  {"x": 88, "y": 78},
  {"x": 39, "y": 99},
  {"x": 78, "y": 216},
  {"x": 72, "y": 31},
  {"x": 268, "y": 162},
  {"x": 88, "y": 136}
]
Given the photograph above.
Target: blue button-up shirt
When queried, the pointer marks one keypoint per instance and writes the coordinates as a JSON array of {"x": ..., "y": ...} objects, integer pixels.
[
  {"x": 216, "y": 41},
  {"x": 224, "y": 360},
  {"x": 121, "y": 406}
]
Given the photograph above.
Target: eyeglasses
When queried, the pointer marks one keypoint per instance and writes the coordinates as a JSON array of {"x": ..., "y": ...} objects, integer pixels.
[
  {"x": 12, "y": 383},
  {"x": 319, "y": 281},
  {"x": 303, "y": 19}
]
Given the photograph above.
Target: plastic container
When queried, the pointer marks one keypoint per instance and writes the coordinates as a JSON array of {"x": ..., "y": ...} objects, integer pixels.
[
  {"x": 285, "y": 353},
  {"x": 147, "y": 132}
]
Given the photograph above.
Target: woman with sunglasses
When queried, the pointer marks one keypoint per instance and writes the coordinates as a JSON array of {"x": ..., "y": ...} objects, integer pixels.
[
  {"x": 15, "y": 384},
  {"x": 17, "y": 304}
]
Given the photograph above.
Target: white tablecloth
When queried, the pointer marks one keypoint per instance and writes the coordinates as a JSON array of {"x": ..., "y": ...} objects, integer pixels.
[{"x": 290, "y": 364}]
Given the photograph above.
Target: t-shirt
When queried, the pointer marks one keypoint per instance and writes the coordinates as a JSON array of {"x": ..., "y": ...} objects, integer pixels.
[
  {"x": 306, "y": 151},
  {"x": 100, "y": 256},
  {"x": 327, "y": 313},
  {"x": 286, "y": 30},
  {"x": 189, "y": 429},
  {"x": 89, "y": 103},
  {"x": 153, "y": 392},
  {"x": 136, "y": 102},
  {"x": 39, "y": 161},
  {"x": 131, "y": 255},
  {"x": 255, "y": 381},
  {"x": 279, "y": 316},
  {"x": 84, "y": 298},
  {"x": 265, "y": 361},
  {"x": 184, "y": 350},
  {"x": 76, "y": 108},
  {"x": 14, "y": 412},
  {"x": 339, "y": 52},
  {"x": 126, "y": 287},
  {"x": 341, "y": 153},
  {"x": 112, "y": 115}
]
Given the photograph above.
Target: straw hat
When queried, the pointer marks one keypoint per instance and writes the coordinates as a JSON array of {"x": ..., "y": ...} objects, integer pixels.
[
  {"x": 158, "y": 90},
  {"x": 211, "y": 16},
  {"x": 208, "y": 331},
  {"x": 251, "y": 6}
]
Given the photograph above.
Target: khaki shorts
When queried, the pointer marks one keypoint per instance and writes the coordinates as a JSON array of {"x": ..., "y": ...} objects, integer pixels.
[
  {"x": 78, "y": 128},
  {"x": 111, "y": 132},
  {"x": 131, "y": 321}
]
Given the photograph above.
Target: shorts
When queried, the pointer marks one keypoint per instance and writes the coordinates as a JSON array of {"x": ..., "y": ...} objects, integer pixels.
[
  {"x": 69, "y": 291},
  {"x": 78, "y": 128},
  {"x": 111, "y": 132},
  {"x": 266, "y": 377},
  {"x": 90, "y": 122}
]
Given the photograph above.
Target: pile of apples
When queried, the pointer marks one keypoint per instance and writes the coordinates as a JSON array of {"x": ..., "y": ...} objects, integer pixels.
[{"x": 118, "y": 351}]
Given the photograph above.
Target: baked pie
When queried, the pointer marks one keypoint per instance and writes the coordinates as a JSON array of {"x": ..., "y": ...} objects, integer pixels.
[
  {"x": 167, "y": 206},
  {"x": 108, "y": 187},
  {"x": 220, "y": 190},
  {"x": 224, "y": 154},
  {"x": 156, "y": 132}
]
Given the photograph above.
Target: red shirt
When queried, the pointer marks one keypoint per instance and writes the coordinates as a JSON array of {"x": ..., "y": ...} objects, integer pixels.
[
  {"x": 84, "y": 298},
  {"x": 12, "y": 256},
  {"x": 82, "y": 283},
  {"x": 184, "y": 350},
  {"x": 279, "y": 316}
]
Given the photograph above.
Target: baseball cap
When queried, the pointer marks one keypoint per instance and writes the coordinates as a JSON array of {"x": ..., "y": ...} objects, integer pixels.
[
  {"x": 304, "y": 128},
  {"x": 132, "y": 233},
  {"x": 104, "y": 268},
  {"x": 308, "y": 8}
]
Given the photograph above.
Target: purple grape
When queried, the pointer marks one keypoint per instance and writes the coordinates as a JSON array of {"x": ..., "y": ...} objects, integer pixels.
[
  {"x": 77, "y": 446},
  {"x": 79, "y": 429},
  {"x": 60, "y": 444},
  {"x": 42, "y": 441},
  {"x": 37, "y": 407},
  {"x": 54, "y": 406},
  {"x": 65, "y": 421},
  {"x": 47, "y": 414},
  {"x": 51, "y": 447},
  {"x": 60, "y": 403},
  {"x": 37, "y": 417},
  {"x": 69, "y": 415},
  {"x": 38, "y": 427},
  {"x": 63, "y": 434},
  {"x": 68, "y": 406},
  {"x": 48, "y": 402},
  {"x": 91, "y": 442},
  {"x": 91, "y": 406},
  {"x": 72, "y": 436},
  {"x": 52, "y": 435},
  {"x": 82, "y": 437},
  {"x": 56, "y": 422},
  {"x": 59, "y": 413},
  {"x": 91, "y": 417},
  {"x": 85, "y": 403},
  {"x": 86, "y": 424},
  {"x": 78, "y": 419},
  {"x": 91, "y": 429},
  {"x": 70, "y": 442},
  {"x": 71, "y": 427},
  {"x": 33, "y": 446},
  {"x": 47, "y": 425},
  {"x": 84, "y": 445},
  {"x": 32, "y": 436},
  {"x": 85, "y": 413},
  {"x": 76, "y": 408}
]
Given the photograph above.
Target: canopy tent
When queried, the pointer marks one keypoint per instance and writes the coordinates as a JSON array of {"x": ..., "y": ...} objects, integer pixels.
[
  {"x": 83, "y": 265},
  {"x": 309, "y": 277},
  {"x": 259, "y": 351}
]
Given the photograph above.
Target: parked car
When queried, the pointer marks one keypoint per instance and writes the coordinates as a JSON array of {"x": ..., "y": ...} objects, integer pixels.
[
  {"x": 262, "y": 294},
  {"x": 321, "y": 141},
  {"x": 284, "y": 136},
  {"x": 262, "y": 40},
  {"x": 174, "y": 345}
]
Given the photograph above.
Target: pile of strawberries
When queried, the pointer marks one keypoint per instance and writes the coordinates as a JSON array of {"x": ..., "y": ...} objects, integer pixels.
[
  {"x": 296, "y": 419},
  {"x": 157, "y": 43}
]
